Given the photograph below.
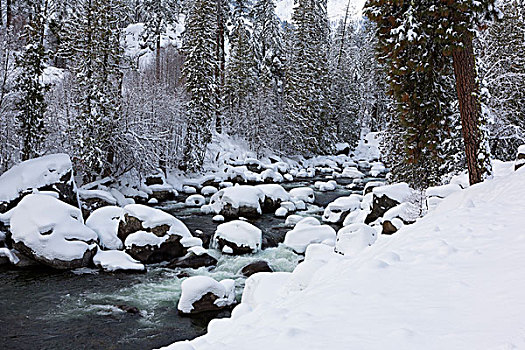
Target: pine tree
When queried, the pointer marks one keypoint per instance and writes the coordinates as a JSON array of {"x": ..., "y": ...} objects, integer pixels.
[
  {"x": 31, "y": 104},
  {"x": 158, "y": 15},
  {"x": 306, "y": 95},
  {"x": 199, "y": 71},
  {"x": 93, "y": 46}
]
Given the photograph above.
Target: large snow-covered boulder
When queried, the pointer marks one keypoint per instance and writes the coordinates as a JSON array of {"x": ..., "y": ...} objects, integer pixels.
[
  {"x": 354, "y": 238},
  {"x": 337, "y": 211},
  {"x": 255, "y": 267},
  {"x": 305, "y": 194},
  {"x": 105, "y": 222},
  {"x": 204, "y": 294},
  {"x": 53, "y": 172},
  {"x": 351, "y": 173},
  {"x": 274, "y": 195},
  {"x": 398, "y": 216},
  {"x": 51, "y": 232},
  {"x": 303, "y": 235},
  {"x": 330, "y": 185},
  {"x": 195, "y": 200},
  {"x": 91, "y": 200},
  {"x": 237, "y": 201},
  {"x": 116, "y": 260},
  {"x": 387, "y": 197},
  {"x": 152, "y": 235},
  {"x": 238, "y": 237}
]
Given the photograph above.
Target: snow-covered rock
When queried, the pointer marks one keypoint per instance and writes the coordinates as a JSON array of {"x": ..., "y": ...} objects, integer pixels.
[
  {"x": 209, "y": 190},
  {"x": 326, "y": 186},
  {"x": 238, "y": 237},
  {"x": 377, "y": 169},
  {"x": 237, "y": 201},
  {"x": 255, "y": 267},
  {"x": 306, "y": 194},
  {"x": 116, "y": 260},
  {"x": 195, "y": 258},
  {"x": 398, "y": 216},
  {"x": 273, "y": 196},
  {"x": 292, "y": 220},
  {"x": 161, "y": 192},
  {"x": 195, "y": 200},
  {"x": 53, "y": 172},
  {"x": 204, "y": 294},
  {"x": 387, "y": 197},
  {"x": 352, "y": 239},
  {"x": 281, "y": 212},
  {"x": 371, "y": 185},
  {"x": 337, "y": 211},
  {"x": 351, "y": 173},
  {"x": 189, "y": 189},
  {"x": 218, "y": 218},
  {"x": 105, "y": 222},
  {"x": 271, "y": 176},
  {"x": 91, "y": 200},
  {"x": 303, "y": 235},
  {"x": 51, "y": 232},
  {"x": 151, "y": 235}
]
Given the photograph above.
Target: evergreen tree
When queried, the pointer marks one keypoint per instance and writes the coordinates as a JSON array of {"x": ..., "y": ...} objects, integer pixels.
[
  {"x": 306, "y": 96},
  {"x": 31, "y": 104},
  {"x": 158, "y": 15},
  {"x": 199, "y": 70},
  {"x": 93, "y": 46}
]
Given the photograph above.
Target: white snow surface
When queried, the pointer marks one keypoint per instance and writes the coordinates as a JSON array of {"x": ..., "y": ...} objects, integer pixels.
[
  {"x": 50, "y": 228},
  {"x": 352, "y": 239},
  {"x": 241, "y": 233},
  {"x": 450, "y": 281},
  {"x": 105, "y": 221},
  {"x": 303, "y": 235},
  {"x": 274, "y": 192},
  {"x": 32, "y": 174},
  {"x": 116, "y": 260},
  {"x": 340, "y": 206},
  {"x": 143, "y": 238},
  {"x": 399, "y": 192},
  {"x": 305, "y": 194},
  {"x": 196, "y": 287}
]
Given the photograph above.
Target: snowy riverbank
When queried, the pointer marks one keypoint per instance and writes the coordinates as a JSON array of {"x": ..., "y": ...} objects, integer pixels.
[{"x": 450, "y": 281}]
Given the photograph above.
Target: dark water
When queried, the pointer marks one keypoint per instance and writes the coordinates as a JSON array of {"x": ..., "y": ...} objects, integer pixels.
[{"x": 45, "y": 309}]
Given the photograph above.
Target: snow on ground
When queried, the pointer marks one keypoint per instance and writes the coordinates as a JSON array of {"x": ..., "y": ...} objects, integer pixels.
[{"x": 452, "y": 280}]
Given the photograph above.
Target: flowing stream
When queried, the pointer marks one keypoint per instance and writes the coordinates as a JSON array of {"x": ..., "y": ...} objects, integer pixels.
[{"x": 42, "y": 308}]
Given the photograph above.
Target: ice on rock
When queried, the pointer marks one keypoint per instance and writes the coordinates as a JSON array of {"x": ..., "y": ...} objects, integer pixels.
[
  {"x": 301, "y": 236},
  {"x": 326, "y": 186},
  {"x": 195, "y": 200},
  {"x": 240, "y": 236},
  {"x": 196, "y": 287},
  {"x": 352, "y": 239},
  {"x": 305, "y": 194},
  {"x": 116, "y": 260},
  {"x": 337, "y": 211},
  {"x": 51, "y": 232},
  {"x": 105, "y": 222}
]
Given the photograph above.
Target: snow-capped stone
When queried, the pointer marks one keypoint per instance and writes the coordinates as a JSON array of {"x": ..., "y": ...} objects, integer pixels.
[
  {"x": 240, "y": 236},
  {"x": 233, "y": 202},
  {"x": 306, "y": 194},
  {"x": 326, "y": 186},
  {"x": 94, "y": 199},
  {"x": 281, "y": 212},
  {"x": 292, "y": 220},
  {"x": 353, "y": 238},
  {"x": 270, "y": 175},
  {"x": 195, "y": 200},
  {"x": 189, "y": 189},
  {"x": 155, "y": 235},
  {"x": 377, "y": 169},
  {"x": 116, "y": 260},
  {"x": 218, "y": 218},
  {"x": 337, "y": 211},
  {"x": 299, "y": 204},
  {"x": 273, "y": 196},
  {"x": 195, "y": 258},
  {"x": 288, "y": 177},
  {"x": 51, "y": 232},
  {"x": 105, "y": 222},
  {"x": 163, "y": 192},
  {"x": 395, "y": 218},
  {"x": 53, "y": 172},
  {"x": 371, "y": 185},
  {"x": 387, "y": 197},
  {"x": 351, "y": 173},
  {"x": 303, "y": 235},
  {"x": 308, "y": 221},
  {"x": 289, "y": 206},
  {"x": 204, "y": 294},
  {"x": 209, "y": 190}
]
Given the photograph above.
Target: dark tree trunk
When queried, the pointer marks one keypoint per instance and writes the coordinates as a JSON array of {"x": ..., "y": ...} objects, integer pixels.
[
  {"x": 9, "y": 13},
  {"x": 157, "y": 59},
  {"x": 219, "y": 70},
  {"x": 469, "y": 106}
]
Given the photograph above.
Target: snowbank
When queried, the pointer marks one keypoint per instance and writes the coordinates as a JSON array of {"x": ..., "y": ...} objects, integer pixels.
[{"x": 449, "y": 281}]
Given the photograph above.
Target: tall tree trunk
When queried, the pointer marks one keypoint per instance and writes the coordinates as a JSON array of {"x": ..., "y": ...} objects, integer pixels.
[
  {"x": 467, "y": 88},
  {"x": 219, "y": 70},
  {"x": 157, "y": 58},
  {"x": 9, "y": 13}
]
